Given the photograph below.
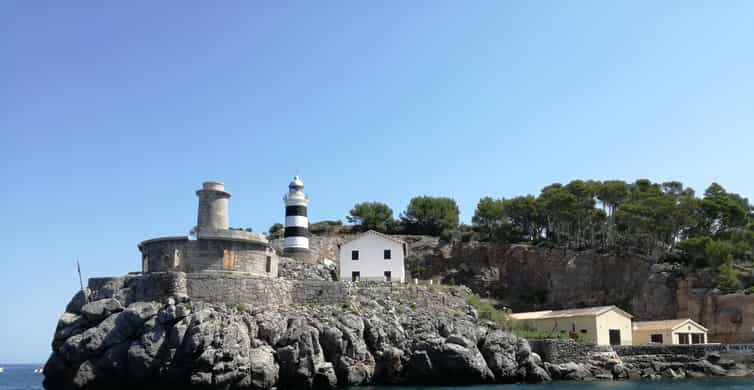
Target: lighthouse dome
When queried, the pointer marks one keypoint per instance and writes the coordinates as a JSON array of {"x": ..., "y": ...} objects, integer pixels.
[{"x": 296, "y": 184}]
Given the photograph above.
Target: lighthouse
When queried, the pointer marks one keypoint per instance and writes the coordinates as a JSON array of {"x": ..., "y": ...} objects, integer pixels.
[{"x": 296, "y": 241}]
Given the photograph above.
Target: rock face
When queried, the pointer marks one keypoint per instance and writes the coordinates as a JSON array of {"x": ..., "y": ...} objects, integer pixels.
[
  {"x": 527, "y": 278},
  {"x": 378, "y": 338}
]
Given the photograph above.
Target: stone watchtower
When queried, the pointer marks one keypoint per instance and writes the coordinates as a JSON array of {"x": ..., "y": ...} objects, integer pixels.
[
  {"x": 217, "y": 247},
  {"x": 213, "y": 207}
]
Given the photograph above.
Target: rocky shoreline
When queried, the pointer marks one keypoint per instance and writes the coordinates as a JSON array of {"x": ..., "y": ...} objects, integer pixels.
[{"x": 104, "y": 341}]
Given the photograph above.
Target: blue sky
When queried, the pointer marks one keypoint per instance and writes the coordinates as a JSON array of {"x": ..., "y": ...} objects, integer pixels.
[{"x": 111, "y": 116}]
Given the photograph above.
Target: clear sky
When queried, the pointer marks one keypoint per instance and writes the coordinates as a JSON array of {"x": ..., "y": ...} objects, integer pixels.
[{"x": 111, "y": 116}]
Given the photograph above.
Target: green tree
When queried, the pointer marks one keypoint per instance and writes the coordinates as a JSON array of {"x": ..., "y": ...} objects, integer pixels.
[
  {"x": 559, "y": 208},
  {"x": 526, "y": 217},
  {"x": 433, "y": 216},
  {"x": 489, "y": 217},
  {"x": 611, "y": 194},
  {"x": 371, "y": 215},
  {"x": 722, "y": 210},
  {"x": 718, "y": 252},
  {"x": 276, "y": 231}
]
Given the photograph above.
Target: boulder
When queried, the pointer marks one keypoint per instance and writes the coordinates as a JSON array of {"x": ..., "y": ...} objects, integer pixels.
[
  {"x": 98, "y": 310},
  {"x": 78, "y": 301},
  {"x": 264, "y": 369}
]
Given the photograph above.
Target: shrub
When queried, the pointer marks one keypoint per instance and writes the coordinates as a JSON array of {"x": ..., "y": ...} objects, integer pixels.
[
  {"x": 727, "y": 278},
  {"x": 487, "y": 311}
]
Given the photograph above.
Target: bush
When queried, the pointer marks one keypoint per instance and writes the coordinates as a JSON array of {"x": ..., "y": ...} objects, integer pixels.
[
  {"x": 239, "y": 307},
  {"x": 487, "y": 311},
  {"x": 728, "y": 278},
  {"x": 322, "y": 228}
]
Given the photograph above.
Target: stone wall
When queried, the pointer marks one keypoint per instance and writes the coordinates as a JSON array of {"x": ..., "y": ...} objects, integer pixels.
[
  {"x": 319, "y": 292},
  {"x": 559, "y": 351},
  {"x": 183, "y": 255},
  {"x": 158, "y": 286},
  {"x": 566, "y": 350},
  {"x": 258, "y": 292},
  {"x": 229, "y": 287},
  {"x": 736, "y": 352}
]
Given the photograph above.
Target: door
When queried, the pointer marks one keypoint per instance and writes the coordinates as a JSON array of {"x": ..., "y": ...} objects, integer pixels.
[
  {"x": 387, "y": 276},
  {"x": 614, "y": 336},
  {"x": 355, "y": 276}
]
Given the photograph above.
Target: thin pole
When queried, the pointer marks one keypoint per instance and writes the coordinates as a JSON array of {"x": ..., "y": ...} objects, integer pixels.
[{"x": 81, "y": 281}]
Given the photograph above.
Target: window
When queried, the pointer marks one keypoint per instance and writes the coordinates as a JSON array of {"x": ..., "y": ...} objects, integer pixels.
[
  {"x": 683, "y": 338},
  {"x": 656, "y": 338},
  {"x": 696, "y": 338},
  {"x": 386, "y": 254},
  {"x": 354, "y": 255},
  {"x": 268, "y": 264},
  {"x": 583, "y": 331},
  {"x": 387, "y": 276},
  {"x": 355, "y": 276}
]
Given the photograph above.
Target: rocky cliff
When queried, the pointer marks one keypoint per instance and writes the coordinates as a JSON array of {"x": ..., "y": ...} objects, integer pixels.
[
  {"x": 381, "y": 336},
  {"x": 528, "y": 278}
]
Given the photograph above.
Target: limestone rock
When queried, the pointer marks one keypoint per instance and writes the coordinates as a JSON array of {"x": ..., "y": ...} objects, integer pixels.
[{"x": 96, "y": 311}]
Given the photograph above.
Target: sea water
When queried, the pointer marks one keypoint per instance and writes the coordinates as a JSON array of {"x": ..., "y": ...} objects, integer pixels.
[
  {"x": 22, "y": 377},
  {"x": 683, "y": 384}
]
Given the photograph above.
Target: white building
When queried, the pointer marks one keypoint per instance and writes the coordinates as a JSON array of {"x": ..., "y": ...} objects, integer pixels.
[{"x": 373, "y": 256}]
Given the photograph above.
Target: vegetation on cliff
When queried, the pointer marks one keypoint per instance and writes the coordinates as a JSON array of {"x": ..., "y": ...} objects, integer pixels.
[{"x": 664, "y": 220}]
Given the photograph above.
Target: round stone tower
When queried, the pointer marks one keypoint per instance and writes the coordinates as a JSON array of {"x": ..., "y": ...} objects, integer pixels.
[
  {"x": 213, "y": 207},
  {"x": 296, "y": 219}
]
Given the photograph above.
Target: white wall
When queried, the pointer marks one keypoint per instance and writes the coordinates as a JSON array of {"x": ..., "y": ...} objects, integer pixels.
[
  {"x": 614, "y": 320},
  {"x": 371, "y": 263}
]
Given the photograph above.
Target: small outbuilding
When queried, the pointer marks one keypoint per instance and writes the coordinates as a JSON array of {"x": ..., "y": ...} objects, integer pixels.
[
  {"x": 373, "y": 256},
  {"x": 604, "y": 325},
  {"x": 669, "y": 332}
]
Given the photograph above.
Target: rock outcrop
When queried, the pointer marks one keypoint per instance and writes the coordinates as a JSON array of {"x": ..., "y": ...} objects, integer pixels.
[{"x": 377, "y": 338}]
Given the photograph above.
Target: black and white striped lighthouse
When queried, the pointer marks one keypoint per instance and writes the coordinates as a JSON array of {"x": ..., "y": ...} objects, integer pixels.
[{"x": 296, "y": 241}]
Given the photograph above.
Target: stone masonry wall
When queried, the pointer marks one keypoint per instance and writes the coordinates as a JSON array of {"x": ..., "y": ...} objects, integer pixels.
[
  {"x": 257, "y": 292},
  {"x": 182, "y": 255},
  {"x": 228, "y": 287},
  {"x": 156, "y": 286},
  {"x": 735, "y": 352},
  {"x": 319, "y": 292},
  {"x": 566, "y": 350}
]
